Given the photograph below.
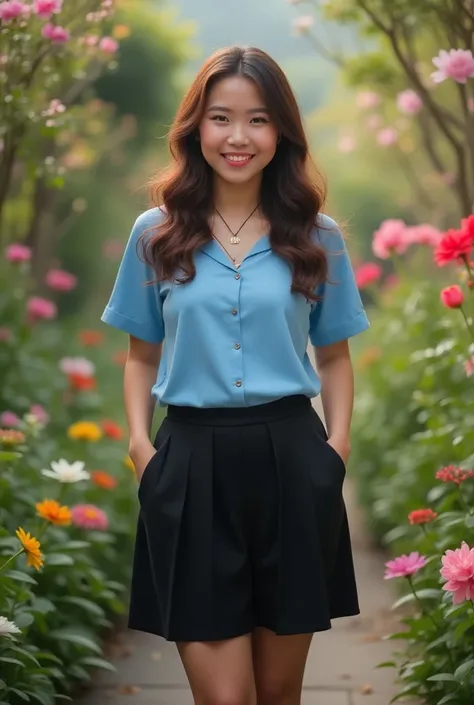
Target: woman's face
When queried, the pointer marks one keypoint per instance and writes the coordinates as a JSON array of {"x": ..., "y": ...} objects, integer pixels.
[{"x": 238, "y": 139}]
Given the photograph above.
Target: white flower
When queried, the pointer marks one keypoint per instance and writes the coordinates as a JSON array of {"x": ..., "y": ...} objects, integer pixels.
[
  {"x": 77, "y": 366},
  {"x": 303, "y": 24},
  {"x": 66, "y": 472},
  {"x": 7, "y": 627}
]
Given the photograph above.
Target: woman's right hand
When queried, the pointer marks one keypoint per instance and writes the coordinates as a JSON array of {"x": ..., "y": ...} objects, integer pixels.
[{"x": 141, "y": 454}]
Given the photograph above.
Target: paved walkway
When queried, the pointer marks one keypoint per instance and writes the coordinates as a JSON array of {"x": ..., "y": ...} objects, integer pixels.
[{"x": 340, "y": 669}]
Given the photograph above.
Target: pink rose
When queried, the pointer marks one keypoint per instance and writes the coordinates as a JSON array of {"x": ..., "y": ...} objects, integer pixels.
[
  {"x": 390, "y": 237},
  {"x": 409, "y": 102},
  {"x": 12, "y": 9},
  {"x": 45, "y": 8},
  {"x": 9, "y": 419},
  {"x": 17, "y": 253},
  {"x": 38, "y": 308},
  {"x": 57, "y": 34},
  {"x": 452, "y": 296},
  {"x": 59, "y": 280},
  {"x": 458, "y": 570},
  {"x": 457, "y": 64},
  {"x": 108, "y": 45},
  {"x": 367, "y": 274}
]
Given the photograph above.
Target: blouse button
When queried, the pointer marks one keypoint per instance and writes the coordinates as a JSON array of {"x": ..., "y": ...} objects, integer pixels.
[
  {"x": 237, "y": 346},
  {"x": 237, "y": 276},
  {"x": 238, "y": 383},
  {"x": 234, "y": 312}
]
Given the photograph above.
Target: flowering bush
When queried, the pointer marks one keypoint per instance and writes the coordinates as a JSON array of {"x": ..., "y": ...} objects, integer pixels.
[
  {"x": 413, "y": 441},
  {"x": 67, "y": 504}
]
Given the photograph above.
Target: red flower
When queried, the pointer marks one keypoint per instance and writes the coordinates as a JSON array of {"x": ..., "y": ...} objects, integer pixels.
[
  {"x": 367, "y": 274},
  {"x": 467, "y": 226},
  {"x": 91, "y": 338},
  {"x": 112, "y": 430},
  {"x": 80, "y": 382},
  {"x": 453, "y": 245},
  {"x": 103, "y": 479},
  {"x": 452, "y": 296},
  {"x": 453, "y": 474},
  {"x": 421, "y": 516}
]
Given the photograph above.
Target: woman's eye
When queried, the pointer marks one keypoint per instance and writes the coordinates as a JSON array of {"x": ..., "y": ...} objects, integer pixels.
[
  {"x": 262, "y": 120},
  {"x": 219, "y": 118}
]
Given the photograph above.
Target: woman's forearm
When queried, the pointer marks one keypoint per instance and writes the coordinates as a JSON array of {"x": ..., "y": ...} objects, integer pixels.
[
  {"x": 337, "y": 396},
  {"x": 139, "y": 378}
]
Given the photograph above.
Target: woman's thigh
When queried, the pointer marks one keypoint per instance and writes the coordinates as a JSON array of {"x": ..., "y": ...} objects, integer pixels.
[
  {"x": 279, "y": 663},
  {"x": 220, "y": 672}
]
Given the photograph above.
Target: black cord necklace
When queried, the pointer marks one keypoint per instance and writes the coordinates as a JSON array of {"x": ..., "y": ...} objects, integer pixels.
[{"x": 235, "y": 239}]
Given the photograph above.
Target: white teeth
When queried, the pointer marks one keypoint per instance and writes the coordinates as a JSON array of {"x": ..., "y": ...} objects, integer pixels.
[{"x": 238, "y": 159}]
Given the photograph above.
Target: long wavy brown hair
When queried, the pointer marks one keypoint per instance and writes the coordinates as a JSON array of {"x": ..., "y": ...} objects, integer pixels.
[{"x": 292, "y": 188}]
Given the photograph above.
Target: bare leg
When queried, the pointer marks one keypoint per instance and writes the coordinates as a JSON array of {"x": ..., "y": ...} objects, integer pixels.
[
  {"x": 220, "y": 672},
  {"x": 279, "y": 663}
]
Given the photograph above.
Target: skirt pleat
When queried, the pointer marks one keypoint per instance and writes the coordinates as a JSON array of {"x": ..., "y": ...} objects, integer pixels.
[{"x": 242, "y": 524}]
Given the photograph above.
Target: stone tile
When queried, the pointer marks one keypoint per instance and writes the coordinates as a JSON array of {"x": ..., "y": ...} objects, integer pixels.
[
  {"x": 325, "y": 697},
  {"x": 146, "y": 696}
]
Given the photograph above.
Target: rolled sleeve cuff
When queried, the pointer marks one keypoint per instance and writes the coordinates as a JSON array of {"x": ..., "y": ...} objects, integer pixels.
[
  {"x": 130, "y": 326},
  {"x": 344, "y": 330}
]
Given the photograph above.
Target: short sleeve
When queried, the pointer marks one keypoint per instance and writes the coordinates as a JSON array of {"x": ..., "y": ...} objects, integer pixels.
[
  {"x": 340, "y": 314},
  {"x": 134, "y": 306}
]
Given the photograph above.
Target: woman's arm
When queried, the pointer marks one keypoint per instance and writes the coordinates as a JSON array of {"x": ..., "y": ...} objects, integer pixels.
[
  {"x": 335, "y": 371},
  {"x": 139, "y": 377}
]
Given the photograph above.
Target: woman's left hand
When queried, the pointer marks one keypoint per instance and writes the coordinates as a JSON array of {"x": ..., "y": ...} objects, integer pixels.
[{"x": 342, "y": 447}]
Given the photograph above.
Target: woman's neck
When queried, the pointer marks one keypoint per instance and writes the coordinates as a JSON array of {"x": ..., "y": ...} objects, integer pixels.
[{"x": 236, "y": 198}]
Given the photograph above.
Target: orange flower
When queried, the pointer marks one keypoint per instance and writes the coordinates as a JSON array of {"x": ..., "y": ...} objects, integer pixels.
[
  {"x": 112, "y": 430},
  {"x": 81, "y": 383},
  {"x": 31, "y": 547},
  {"x": 11, "y": 437},
  {"x": 120, "y": 357},
  {"x": 50, "y": 510},
  {"x": 421, "y": 516},
  {"x": 103, "y": 479},
  {"x": 91, "y": 338}
]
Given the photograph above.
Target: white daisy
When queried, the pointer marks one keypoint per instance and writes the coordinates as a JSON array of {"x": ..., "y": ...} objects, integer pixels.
[
  {"x": 7, "y": 627},
  {"x": 66, "y": 472}
]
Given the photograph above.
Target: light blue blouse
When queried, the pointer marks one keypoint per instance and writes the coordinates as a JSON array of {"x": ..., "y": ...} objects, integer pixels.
[{"x": 235, "y": 337}]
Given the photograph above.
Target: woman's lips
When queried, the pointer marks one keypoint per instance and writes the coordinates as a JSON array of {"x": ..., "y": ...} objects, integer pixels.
[{"x": 238, "y": 160}]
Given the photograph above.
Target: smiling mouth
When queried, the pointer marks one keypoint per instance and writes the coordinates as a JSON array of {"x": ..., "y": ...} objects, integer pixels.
[{"x": 238, "y": 159}]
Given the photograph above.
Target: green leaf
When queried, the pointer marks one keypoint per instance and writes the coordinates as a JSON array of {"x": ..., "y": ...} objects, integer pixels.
[
  {"x": 47, "y": 656},
  {"x": 6, "y": 456},
  {"x": 73, "y": 546},
  {"x": 42, "y": 605},
  {"x": 461, "y": 629},
  {"x": 97, "y": 663},
  {"x": 25, "y": 653},
  {"x": 448, "y": 677},
  {"x": 15, "y": 661},
  {"x": 84, "y": 604},
  {"x": 42, "y": 697},
  {"x": 462, "y": 670},
  {"x": 425, "y": 594},
  {"x": 58, "y": 559},
  {"x": 20, "y": 577},
  {"x": 449, "y": 698},
  {"x": 386, "y": 664},
  {"x": 24, "y": 619},
  {"x": 75, "y": 638},
  {"x": 20, "y": 694}
]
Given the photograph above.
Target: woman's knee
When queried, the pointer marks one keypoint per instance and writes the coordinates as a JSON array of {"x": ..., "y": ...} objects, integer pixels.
[
  {"x": 275, "y": 691},
  {"x": 226, "y": 696}
]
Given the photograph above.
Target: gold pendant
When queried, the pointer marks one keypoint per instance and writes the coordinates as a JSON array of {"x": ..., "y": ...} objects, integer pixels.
[{"x": 234, "y": 240}]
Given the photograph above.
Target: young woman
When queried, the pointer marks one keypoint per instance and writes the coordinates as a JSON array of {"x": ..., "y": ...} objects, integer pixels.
[{"x": 242, "y": 548}]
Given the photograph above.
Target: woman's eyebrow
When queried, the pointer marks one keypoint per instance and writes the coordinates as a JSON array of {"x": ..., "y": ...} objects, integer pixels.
[{"x": 223, "y": 109}]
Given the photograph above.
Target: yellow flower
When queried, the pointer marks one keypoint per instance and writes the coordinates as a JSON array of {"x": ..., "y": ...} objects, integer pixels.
[
  {"x": 128, "y": 462},
  {"x": 31, "y": 547},
  {"x": 84, "y": 431},
  {"x": 50, "y": 510},
  {"x": 121, "y": 31}
]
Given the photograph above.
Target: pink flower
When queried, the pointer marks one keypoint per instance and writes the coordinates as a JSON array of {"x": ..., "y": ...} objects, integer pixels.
[
  {"x": 87, "y": 516},
  {"x": 374, "y": 122},
  {"x": 108, "y": 45},
  {"x": 457, "y": 64},
  {"x": 9, "y": 419},
  {"x": 57, "y": 34},
  {"x": 5, "y": 334},
  {"x": 40, "y": 413},
  {"x": 390, "y": 237},
  {"x": 367, "y": 99},
  {"x": 77, "y": 366},
  {"x": 12, "y": 9},
  {"x": 347, "y": 144},
  {"x": 59, "y": 280},
  {"x": 452, "y": 296},
  {"x": 404, "y": 565},
  {"x": 90, "y": 40},
  {"x": 45, "y": 8},
  {"x": 38, "y": 308},
  {"x": 424, "y": 234},
  {"x": 367, "y": 274},
  {"x": 458, "y": 569},
  {"x": 469, "y": 367},
  {"x": 387, "y": 136},
  {"x": 409, "y": 102},
  {"x": 18, "y": 253}
]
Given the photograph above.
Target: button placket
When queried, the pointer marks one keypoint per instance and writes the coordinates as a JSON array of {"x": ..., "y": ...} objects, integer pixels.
[{"x": 237, "y": 364}]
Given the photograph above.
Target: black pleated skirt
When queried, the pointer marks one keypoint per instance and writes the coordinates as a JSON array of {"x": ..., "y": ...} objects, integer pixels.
[{"x": 242, "y": 524}]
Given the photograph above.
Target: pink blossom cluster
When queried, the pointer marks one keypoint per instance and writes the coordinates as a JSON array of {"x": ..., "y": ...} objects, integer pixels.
[
  {"x": 38, "y": 309},
  {"x": 394, "y": 236},
  {"x": 77, "y": 366},
  {"x": 457, "y": 64},
  {"x": 458, "y": 570},
  {"x": 409, "y": 102},
  {"x": 13, "y": 9},
  {"x": 60, "y": 280},
  {"x": 8, "y": 419},
  {"x": 18, "y": 253}
]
